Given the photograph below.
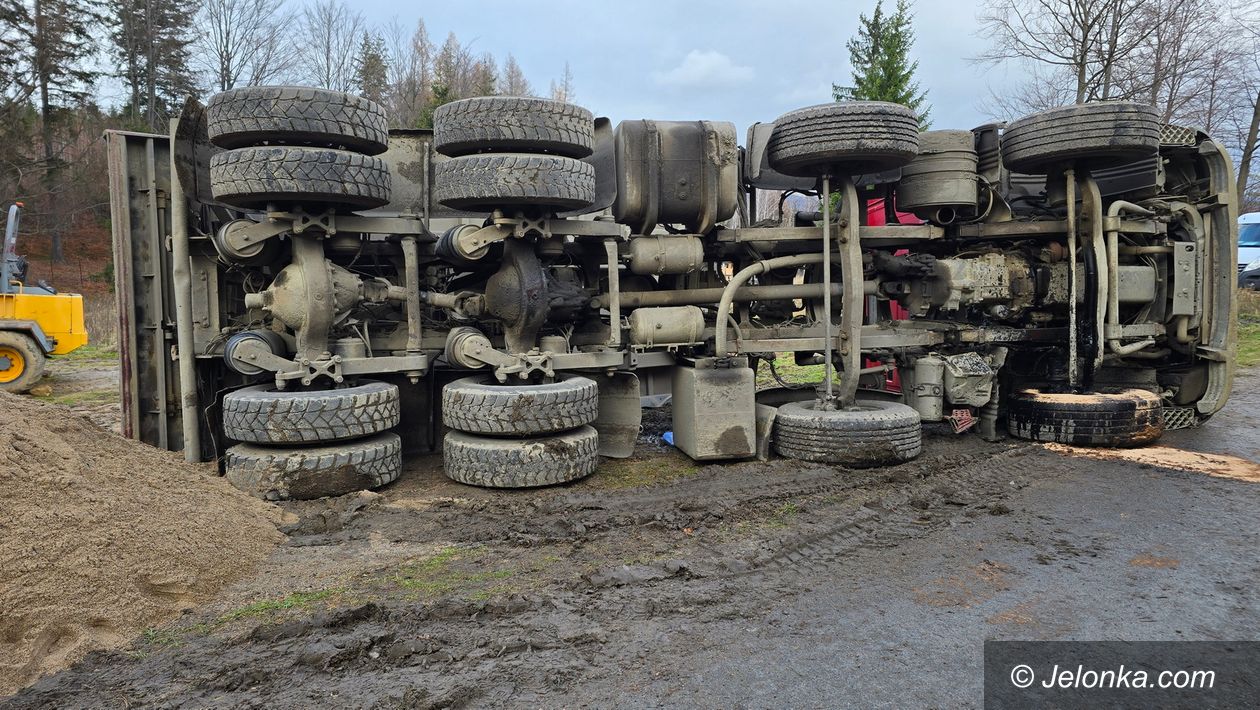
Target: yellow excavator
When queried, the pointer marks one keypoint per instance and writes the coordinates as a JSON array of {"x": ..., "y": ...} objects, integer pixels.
[{"x": 35, "y": 321}]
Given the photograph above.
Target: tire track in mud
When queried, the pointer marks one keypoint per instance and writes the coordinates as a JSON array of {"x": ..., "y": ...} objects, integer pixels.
[{"x": 883, "y": 523}]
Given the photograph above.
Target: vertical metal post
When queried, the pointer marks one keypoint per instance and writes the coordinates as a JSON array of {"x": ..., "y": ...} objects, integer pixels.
[
  {"x": 8, "y": 250},
  {"x": 825, "y": 198},
  {"x": 1074, "y": 376},
  {"x": 181, "y": 279},
  {"x": 411, "y": 269},
  {"x": 614, "y": 293},
  {"x": 853, "y": 293}
]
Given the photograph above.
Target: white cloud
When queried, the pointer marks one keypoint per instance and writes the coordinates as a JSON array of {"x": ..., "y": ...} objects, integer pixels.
[{"x": 701, "y": 69}]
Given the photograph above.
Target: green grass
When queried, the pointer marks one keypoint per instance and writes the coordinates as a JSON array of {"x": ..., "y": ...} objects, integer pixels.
[
  {"x": 172, "y": 636},
  {"x": 790, "y": 372},
  {"x": 91, "y": 353},
  {"x": 783, "y": 515},
  {"x": 71, "y": 399},
  {"x": 1248, "y": 328},
  {"x": 437, "y": 574},
  {"x": 297, "y": 600},
  {"x": 636, "y": 472}
]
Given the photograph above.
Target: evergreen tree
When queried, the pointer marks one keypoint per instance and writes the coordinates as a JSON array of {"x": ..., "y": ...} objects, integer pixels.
[
  {"x": 371, "y": 68},
  {"x": 151, "y": 42},
  {"x": 882, "y": 70},
  {"x": 47, "y": 46}
]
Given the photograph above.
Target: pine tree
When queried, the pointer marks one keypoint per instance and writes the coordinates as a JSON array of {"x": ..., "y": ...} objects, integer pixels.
[
  {"x": 48, "y": 45},
  {"x": 151, "y": 41},
  {"x": 485, "y": 76},
  {"x": 371, "y": 69},
  {"x": 882, "y": 70}
]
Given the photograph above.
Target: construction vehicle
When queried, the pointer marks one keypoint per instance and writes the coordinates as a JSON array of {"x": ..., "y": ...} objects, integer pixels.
[
  {"x": 35, "y": 320},
  {"x": 507, "y": 287}
]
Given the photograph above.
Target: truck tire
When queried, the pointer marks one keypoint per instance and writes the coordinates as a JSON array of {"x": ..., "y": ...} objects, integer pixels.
[
  {"x": 481, "y": 183},
  {"x": 253, "y": 177},
  {"x": 263, "y": 415},
  {"x": 314, "y": 472},
  {"x": 512, "y": 124},
  {"x": 22, "y": 362},
  {"x": 479, "y": 405},
  {"x": 846, "y": 137},
  {"x": 296, "y": 115},
  {"x": 872, "y": 433},
  {"x": 520, "y": 463},
  {"x": 1125, "y": 419},
  {"x": 1101, "y": 134}
]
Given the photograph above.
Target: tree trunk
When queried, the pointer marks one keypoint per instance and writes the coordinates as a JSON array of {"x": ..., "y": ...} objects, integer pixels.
[
  {"x": 1249, "y": 149},
  {"x": 150, "y": 74},
  {"x": 42, "y": 71}
]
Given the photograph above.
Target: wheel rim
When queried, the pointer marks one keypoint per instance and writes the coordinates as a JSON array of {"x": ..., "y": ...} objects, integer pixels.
[{"x": 12, "y": 364}]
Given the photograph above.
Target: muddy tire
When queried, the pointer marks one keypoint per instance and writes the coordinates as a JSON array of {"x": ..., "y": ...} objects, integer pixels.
[
  {"x": 22, "y": 362},
  {"x": 262, "y": 415},
  {"x": 479, "y": 405},
  {"x": 481, "y": 183},
  {"x": 1126, "y": 419},
  {"x": 296, "y": 115},
  {"x": 520, "y": 463},
  {"x": 1094, "y": 135},
  {"x": 873, "y": 433},
  {"x": 273, "y": 473},
  {"x": 253, "y": 177},
  {"x": 846, "y": 137},
  {"x": 511, "y": 124}
]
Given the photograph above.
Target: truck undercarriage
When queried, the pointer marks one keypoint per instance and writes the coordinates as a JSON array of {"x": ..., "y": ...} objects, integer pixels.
[{"x": 294, "y": 277}]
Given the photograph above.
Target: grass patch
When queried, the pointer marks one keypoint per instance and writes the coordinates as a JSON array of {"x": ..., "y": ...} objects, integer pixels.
[
  {"x": 1248, "y": 344},
  {"x": 173, "y": 636},
  {"x": 71, "y": 399},
  {"x": 297, "y": 600},
  {"x": 783, "y": 515},
  {"x": 92, "y": 353},
  {"x": 1248, "y": 328},
  {"x": 635, "y": 472},
  {"x": 440, "y": 574},
  {"x": 791, "y": 373}
]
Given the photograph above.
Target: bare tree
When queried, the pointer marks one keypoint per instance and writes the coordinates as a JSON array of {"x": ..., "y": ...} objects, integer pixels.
[
  {"x": 410, "y": 73},
  {"x": 331, "y": 32},
  {"x": 1246, "y": 118},
  {"x": 245, "y": 42},
  {"x": 1084, "y": 41},
  {"x": 513, "y": 81},
  {"x": 563, "y": 90}
]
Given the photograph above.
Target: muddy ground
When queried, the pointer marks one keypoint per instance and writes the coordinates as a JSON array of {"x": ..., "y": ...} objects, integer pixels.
[{"x": 658, "y": 582}]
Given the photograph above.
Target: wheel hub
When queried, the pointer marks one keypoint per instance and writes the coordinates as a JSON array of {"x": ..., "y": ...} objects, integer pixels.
[{"x": 11, "y": 364}]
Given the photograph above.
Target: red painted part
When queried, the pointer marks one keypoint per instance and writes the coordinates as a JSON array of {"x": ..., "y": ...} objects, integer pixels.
[{"x": 875, "y": 218}]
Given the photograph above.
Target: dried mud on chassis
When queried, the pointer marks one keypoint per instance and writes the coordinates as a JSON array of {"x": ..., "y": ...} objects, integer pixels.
[
  {"x": 1064, "y": 282},
  {"x": 504, "y": 287}
]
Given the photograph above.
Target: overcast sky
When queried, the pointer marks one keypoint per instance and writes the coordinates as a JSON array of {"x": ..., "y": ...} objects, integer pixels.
[{"x": 728, "y": 60}]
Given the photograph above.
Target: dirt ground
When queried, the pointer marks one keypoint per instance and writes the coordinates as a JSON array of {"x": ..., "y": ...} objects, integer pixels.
[{"x": 659, "y": 582}]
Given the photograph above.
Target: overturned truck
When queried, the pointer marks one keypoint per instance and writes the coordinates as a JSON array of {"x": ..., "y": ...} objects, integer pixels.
[{"x": 306, "y": 295}]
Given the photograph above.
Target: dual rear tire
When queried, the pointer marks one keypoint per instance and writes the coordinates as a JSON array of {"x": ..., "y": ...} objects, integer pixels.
[
  {"x": 520, "y": 436},
  {"x": 301, "y": 445},
  {"x": 297, "y": 146},
  {"x": 513, "y": 152}
]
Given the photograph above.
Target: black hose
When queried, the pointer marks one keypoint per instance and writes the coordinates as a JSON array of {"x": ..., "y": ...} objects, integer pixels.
[{"x": 1087, "y": 326}]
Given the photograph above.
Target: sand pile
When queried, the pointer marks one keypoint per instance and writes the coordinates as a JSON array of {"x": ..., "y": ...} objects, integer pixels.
[{"x": 101, "y": 538}]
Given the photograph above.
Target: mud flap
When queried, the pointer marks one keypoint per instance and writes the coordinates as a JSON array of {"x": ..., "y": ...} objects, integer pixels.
[{"x": 620, "y": 413}]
